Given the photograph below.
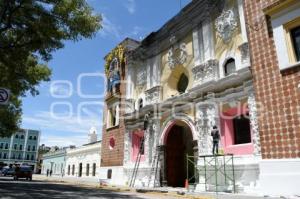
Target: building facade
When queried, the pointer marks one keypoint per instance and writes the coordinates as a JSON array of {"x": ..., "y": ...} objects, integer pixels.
[
  {"x": 190, "y": 75},
  {"x": 274, "y": 37},
  {"x": 55, "y": 162},
  {"x": 21, "y": 148},
  {"x": 84, "y": 162},
  {"x": 112, "y": 151}
]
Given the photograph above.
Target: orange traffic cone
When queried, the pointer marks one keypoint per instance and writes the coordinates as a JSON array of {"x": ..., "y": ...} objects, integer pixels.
[{"x": 186, "y": 184}]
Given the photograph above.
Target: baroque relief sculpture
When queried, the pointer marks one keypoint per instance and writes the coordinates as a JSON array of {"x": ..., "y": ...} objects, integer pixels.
[
  {"x": 177, "y": 55},
  {"x": 226, "y": 24}
]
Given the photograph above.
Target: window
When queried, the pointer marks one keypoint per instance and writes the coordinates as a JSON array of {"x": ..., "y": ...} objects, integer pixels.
[
  {"x": 13, "y": 156},
  {"x": 295, "y": 34},
  {"x": 17, "y": 136},
  {"x": 285, "y": 30},
  {"x": 94, "y": 169},
  {"x": 109, "y": 174},
  {"x": 15, "y": 146},
  {"x": 19, "y": 156},
  {"x": 6, "y": 146},
  {"x": 69, "y": 169},
  {"x": 21, "y": 147},
  {"x": 30, "y": 137},
  {"x": 0, "y": 155},
  {"x": 4, "y": 156},
  {"x": 34, "y": 137},
  {"x": 140, "y": 103},
  {"x": 32, "y": 157},
  {"x": 73, "y": 169},
  {"x": 183, "y": 83},
  {"x": 28, "y": 148},
  {"x": 87, "y": 173},
  {"x": 27, "y": 157},
  {"x": 22, "y": 136},
  {"x": 1, "y": 146},
  {"x": 235, "y": 130},
  {"x": 229, "y": 67},
  {"x": 33, "y": 148},
  {"x": 242, "y": 132},
  {"x": 113, "y": 116}
]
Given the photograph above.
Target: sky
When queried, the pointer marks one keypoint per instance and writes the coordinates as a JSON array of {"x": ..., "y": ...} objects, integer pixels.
[{"x": 71, "y": 103}]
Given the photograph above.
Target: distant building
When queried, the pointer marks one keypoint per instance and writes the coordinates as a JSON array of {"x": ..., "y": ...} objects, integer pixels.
[
  {"x": 55, "y": 161},
  {"x": 42, "y": 150},
  {"x": 21, "y": 148},
  {"x": 85, "y": 161}
]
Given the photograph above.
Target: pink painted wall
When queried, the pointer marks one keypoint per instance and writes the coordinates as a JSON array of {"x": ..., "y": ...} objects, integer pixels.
[
  {"x": 227, "y": 133},
  {"x": 136, "y": 141}
]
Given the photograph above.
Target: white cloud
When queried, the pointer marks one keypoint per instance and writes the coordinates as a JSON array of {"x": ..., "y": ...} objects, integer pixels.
[
  {"x": 130, "y": 6},
  {"x": 109, "y": 29},
  {"x": 67, "y": 124},
  {"x": 64, "y": 126}
]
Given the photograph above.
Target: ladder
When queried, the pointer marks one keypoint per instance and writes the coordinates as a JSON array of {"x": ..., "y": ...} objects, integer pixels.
[
  {"x": 137, "y": 162},
  {"x": 154, "y": 168}
]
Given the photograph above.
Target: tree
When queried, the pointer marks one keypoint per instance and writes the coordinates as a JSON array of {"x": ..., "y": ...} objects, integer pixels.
[{"x": 30, "y": 31}]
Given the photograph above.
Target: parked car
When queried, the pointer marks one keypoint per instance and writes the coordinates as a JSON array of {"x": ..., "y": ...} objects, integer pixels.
[
  {"x": 8, "y": 171},
  {"x": 23, "y": 172}
]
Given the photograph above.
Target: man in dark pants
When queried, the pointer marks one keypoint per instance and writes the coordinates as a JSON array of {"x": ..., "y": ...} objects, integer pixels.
[{"x": 216, "y": 138}]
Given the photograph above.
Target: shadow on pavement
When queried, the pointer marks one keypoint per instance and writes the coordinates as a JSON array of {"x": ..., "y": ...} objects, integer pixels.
[{"x": 37, "y": 189}]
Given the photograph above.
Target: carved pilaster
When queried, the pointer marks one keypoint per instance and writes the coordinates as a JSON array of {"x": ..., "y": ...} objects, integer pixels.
[
  {"x": 245, "y": 57},
  {"x": 206, "y": 119},
  {"x": 162, "y": 161},
  {"x": 127, "y": 147},
  {"x": 206, "y": 72},
  {"x": 254, "y": 123}
]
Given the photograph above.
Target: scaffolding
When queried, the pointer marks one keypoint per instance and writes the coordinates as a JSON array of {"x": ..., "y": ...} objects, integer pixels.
[{"x": 218, "y": 171}]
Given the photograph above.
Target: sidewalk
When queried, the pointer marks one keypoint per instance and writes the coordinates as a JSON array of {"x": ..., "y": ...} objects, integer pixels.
[
  {"x": 94, "y": 182},
  {"x": 69, "y": 180}
]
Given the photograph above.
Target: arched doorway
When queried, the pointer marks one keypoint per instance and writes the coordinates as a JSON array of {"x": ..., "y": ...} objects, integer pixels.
[{"x": 179, "y": 143}]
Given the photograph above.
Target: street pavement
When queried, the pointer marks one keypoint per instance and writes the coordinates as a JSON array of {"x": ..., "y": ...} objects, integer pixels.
[
  {"x": 10, "y": 189},
  {"x": 41, "y": 188}
]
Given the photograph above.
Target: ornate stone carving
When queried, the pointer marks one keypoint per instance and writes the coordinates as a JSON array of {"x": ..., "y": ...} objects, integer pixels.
[
  {"x": 206, "y": 118},
  {"x": 177, "y": 55},
  {"x": 245, "y": 57},
  {"x": 152, "y": 95},
  {"x": 205, "y": 72},
  {"x": 141, "y": 77},
  {"x": 226, "y": 24},
  {"x": 254, "y": 123},
  {"x": 129, "y": 106}
]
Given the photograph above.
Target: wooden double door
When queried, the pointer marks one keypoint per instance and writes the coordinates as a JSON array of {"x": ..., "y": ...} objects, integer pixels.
[{"x": 175, "y": 157}]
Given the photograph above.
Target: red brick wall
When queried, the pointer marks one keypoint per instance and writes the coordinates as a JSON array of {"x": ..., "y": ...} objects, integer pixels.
[
  {"x": 115, "y": 156},
  {"x": 276, "y": 91}
]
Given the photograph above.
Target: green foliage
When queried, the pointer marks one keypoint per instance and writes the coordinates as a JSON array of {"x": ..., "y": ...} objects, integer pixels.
[{"x": 30, "y": 30}]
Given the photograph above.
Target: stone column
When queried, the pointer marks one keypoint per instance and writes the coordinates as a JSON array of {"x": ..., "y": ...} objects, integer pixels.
[
  {"x": 162, "y": 161},
  {"x": 254, "y": 124}
]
